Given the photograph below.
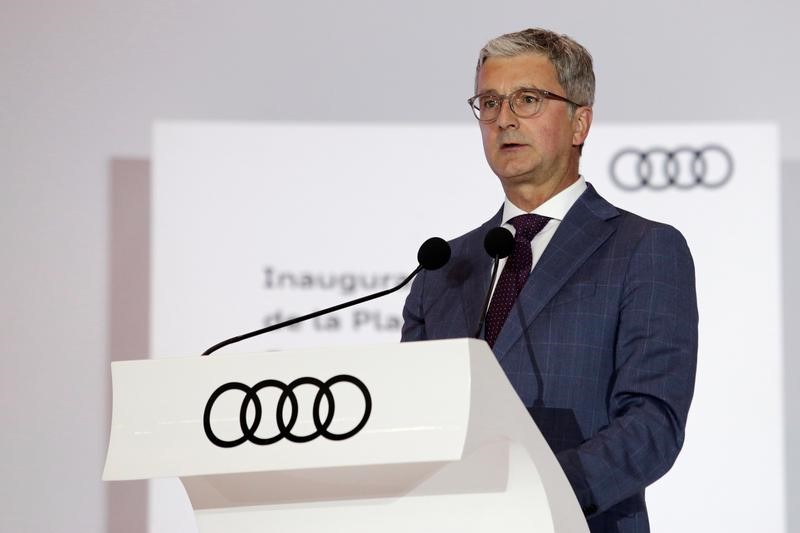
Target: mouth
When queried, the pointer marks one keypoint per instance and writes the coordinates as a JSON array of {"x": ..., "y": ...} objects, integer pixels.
[{"x": 510, "y": 146}]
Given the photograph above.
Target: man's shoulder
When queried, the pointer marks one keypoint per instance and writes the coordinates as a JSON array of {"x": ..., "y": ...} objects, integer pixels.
[
  {"x": 639, "y": 228},
  {"x": 627, "y": 223}
]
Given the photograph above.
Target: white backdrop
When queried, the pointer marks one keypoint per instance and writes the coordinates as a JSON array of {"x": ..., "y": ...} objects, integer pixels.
[{"x": 255, "y": 222}]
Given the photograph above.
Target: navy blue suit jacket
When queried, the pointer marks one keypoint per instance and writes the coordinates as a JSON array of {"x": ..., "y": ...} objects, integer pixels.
[{"x": 601, "y": 346}]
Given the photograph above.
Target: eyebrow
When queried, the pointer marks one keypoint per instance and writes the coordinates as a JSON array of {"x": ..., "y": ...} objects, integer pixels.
[{"x": 493, "y": 92}]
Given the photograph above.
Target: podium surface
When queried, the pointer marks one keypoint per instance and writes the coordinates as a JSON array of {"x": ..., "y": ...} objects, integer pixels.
[{"x": 424, "y": 436}]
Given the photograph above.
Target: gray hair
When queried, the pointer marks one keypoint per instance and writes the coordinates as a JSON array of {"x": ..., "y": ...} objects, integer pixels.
[{"x": 572, "y": 62}]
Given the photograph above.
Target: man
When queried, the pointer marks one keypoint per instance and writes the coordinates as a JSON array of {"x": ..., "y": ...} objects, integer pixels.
[{"x": 594, "y": 316}]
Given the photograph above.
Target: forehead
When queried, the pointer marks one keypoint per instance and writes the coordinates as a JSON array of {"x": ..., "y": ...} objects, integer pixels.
[{"x": 505, "y": 74}]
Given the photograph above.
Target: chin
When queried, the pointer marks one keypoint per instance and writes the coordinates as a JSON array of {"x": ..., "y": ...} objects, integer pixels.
[
  {"x": 511, "y": 169},
  {"x": 515, "y": 174}
]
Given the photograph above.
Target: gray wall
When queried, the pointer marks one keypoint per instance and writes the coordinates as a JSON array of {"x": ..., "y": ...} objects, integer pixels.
[{"x": 81, "y": 83}]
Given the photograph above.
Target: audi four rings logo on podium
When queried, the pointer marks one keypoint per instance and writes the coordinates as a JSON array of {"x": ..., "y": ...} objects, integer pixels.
[
  {"x": 682, "y": 168},
  {"x": 286, "y": 427}
]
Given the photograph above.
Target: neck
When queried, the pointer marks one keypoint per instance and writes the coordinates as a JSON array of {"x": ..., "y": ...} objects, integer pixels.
[{"x": 529, "y": 196}]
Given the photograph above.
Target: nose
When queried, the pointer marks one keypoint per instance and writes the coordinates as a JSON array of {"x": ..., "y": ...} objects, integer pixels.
[{"x": 506, "y": 118}]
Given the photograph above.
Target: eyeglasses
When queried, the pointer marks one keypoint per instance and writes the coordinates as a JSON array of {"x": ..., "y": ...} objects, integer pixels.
[{"x": 524, "y": 103}]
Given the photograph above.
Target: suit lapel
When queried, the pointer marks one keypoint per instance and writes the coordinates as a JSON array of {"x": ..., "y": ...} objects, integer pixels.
[{"x": 585, "y": 227}]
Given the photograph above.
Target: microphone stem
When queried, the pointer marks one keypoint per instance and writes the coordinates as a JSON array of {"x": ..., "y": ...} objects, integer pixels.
[
  {"x": 315, "y": 314},
  {"x": 488, "y": 295}
]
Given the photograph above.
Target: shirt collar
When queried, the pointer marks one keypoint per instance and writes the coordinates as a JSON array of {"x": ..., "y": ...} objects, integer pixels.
[{"x": 555, "y": 208}]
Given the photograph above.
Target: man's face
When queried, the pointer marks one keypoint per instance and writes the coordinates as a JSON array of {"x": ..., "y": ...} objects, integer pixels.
[{"x": 538, "y": 150}]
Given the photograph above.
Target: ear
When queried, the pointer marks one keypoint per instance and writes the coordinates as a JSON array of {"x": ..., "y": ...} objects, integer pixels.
[{"x": 581, "y": 122}]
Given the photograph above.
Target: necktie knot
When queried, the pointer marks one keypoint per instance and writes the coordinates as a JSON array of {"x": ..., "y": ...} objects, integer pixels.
[{"x": 529, "y": 225}]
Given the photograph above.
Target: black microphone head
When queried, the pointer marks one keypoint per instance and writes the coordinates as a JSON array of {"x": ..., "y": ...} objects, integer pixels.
[
  {"x": 434, "y": 253},
  {"x": 499, "y": 242}
]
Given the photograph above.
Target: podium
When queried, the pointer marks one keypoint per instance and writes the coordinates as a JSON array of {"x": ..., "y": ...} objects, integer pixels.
[{"x": 422, "y": 436}]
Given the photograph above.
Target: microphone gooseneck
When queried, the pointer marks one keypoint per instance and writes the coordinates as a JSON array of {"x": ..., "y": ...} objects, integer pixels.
[
  {"x": 498, "y": 243},
  {"x": 432, "y": 255}
]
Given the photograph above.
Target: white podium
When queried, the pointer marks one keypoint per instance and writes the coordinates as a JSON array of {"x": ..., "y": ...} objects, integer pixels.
[{"x": 424, "y": 436}]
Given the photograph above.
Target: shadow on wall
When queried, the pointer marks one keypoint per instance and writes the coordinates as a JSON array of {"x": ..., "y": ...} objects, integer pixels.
[
  {"x": 790, "y": 246},
  {"x": 129, "y": 311}
]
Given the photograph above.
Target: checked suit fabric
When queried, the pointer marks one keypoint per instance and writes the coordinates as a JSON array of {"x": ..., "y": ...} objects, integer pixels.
[
  {"x": 602, "y": 352},
  {"x": 515, "y": 273}
]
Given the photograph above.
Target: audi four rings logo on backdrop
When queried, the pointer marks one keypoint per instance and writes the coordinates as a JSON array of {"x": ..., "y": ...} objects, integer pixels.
[
  {"x": 286, "y": 426},
  {"x": 682, "y": 168}
]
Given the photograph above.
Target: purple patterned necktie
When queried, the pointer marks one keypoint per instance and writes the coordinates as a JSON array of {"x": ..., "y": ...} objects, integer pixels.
[{"x": 515, "y": 273}]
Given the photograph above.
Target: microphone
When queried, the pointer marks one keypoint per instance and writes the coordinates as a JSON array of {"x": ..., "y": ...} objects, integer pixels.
[
  {"x": 498, "y": 243},
  {"x": 432, "y": 255}
]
